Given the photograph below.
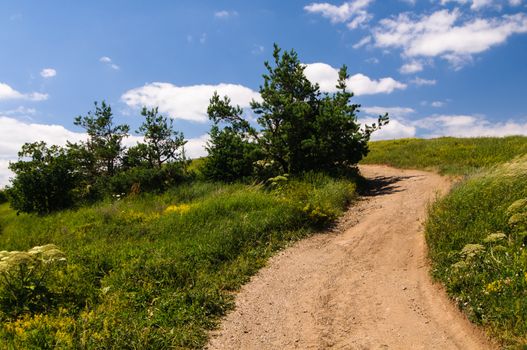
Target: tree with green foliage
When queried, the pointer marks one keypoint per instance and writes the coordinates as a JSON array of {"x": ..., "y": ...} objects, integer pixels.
[
  {"x": 299, "y": 128},
  {"x": 44, "y": 179},
  {"x": 163, "y": 144},
  {"x": 104, "y": 147}
]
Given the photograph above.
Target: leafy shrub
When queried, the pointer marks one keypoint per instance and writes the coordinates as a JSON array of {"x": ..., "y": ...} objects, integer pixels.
[
  {"x": 44, "y": 182},
  {"x": 24, "y": 278},
  {"x": 3, "y": 196},
  {"x": 141, "y": 179}
]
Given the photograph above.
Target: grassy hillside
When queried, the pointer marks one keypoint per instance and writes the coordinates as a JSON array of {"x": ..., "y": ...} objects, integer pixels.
[
  {"x": 151, "y": 271},
  {"x": 447, "y": 155},
  {"x": 476, "y": 234}
]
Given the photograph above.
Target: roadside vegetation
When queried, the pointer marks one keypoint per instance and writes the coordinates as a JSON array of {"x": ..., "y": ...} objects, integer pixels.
[
  {"x": 152, "y": 271},
  {"x": 108, "y": 247},
  {"x": 477, "y": 234}
]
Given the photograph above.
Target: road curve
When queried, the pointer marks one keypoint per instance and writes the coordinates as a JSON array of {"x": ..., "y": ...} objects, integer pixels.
[{"x": 364, "y": 286}]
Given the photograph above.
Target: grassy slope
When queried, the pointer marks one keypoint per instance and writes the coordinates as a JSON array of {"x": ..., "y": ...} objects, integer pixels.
[
  {"x": 157, "y": 271},
  {"x": 447, "y": 155},
  {"x": 489, "y": 283}
]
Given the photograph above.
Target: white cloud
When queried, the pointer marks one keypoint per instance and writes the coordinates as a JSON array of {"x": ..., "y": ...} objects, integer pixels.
[
  {"x": 48, "y": 73},
  {"x": 326, "y": 76},
  {"x": 108, "y": 61},
  {"x": 396, "y": 129},
  {"x": 20, "y": 110},
  {"x": 353, "y": 12},
  {"x": 474, "y": 4},
  {"x": 362, "y": 42},
  {"x": 478, "y": 5},
  {"x": 8, "y": 93},
  {"x": 186, "y": 102},
  {"x": 411, "y": 67},
  {"x": 195, "y": 147},
  {"x": 446, "y": 34},
  {"x": 446, "y": 125},
  {"x": 468, "y": 126},
  {"x": 420, "y": 81},
  {"x": 400, "y": 112},
  {"x": 437, "y": 104},
  {"x": 224, "y": 14}
]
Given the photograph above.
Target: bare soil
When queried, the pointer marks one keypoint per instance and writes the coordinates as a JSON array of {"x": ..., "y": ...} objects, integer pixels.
[{"x": 365, "y": 285}]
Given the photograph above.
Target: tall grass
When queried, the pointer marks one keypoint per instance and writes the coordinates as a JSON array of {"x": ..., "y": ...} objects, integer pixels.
[
  {"x": 156, "y": 272},
  {"x": 477, "y": 241},
  {"x": 447, "y": 155}
]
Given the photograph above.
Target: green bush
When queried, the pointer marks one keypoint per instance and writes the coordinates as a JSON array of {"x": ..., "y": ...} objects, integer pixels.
[
  {"x": 24, "y": 278},
  {"x": 44, "y": 179},
  {"x": 139, "y": 179},
  {"x": 3, "y": 196}
]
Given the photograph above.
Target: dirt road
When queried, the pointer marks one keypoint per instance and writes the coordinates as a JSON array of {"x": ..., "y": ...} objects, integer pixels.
[{"x": 366, "y": 286}]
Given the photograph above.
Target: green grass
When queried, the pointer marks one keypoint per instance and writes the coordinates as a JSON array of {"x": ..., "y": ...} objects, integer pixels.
[
  {"x": 158, "y": 271},
  {"x": 446, "y": 155},
  {"x": 489, "y": 284}
]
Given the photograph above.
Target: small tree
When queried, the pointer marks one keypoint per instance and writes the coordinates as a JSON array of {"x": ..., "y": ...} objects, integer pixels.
[
  {"x": 105, "y": 139},
  {"x": 162, "y": 143},
  {"x": 44, "y": 179},
  {"x": 300, "y": 129}
]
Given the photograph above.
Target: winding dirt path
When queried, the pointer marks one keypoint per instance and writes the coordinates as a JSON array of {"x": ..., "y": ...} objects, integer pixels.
[{"x": 364, "y": 286}]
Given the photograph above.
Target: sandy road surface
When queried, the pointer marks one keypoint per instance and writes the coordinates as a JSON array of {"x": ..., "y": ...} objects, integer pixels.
[{"x": 365, "y": 286}]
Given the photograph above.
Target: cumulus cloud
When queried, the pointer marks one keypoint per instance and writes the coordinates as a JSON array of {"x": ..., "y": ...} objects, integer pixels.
[
  {"x": 401, "y": 126},
  {"x": 396, "y": 129},
  {"x": 352, "y": 12},
  {"x": 186, "y": 102},
  {"x": 108, "y": 61},
  {"x": 446, "y": 34},
  {"x": 48, "y": 73},
  {"x": 195, "y": 147},
  {"x": 8, "y": 93},
  {"x": 224, "y": 14},
  {"x": 326, "y": 76}
]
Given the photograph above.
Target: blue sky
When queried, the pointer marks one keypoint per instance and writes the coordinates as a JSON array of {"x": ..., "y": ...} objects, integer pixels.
[{"x": 441, "y": 67}]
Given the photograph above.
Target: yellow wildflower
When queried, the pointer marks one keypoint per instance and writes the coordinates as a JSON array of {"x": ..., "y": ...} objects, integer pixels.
[{"x": 178, "y": 209}]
